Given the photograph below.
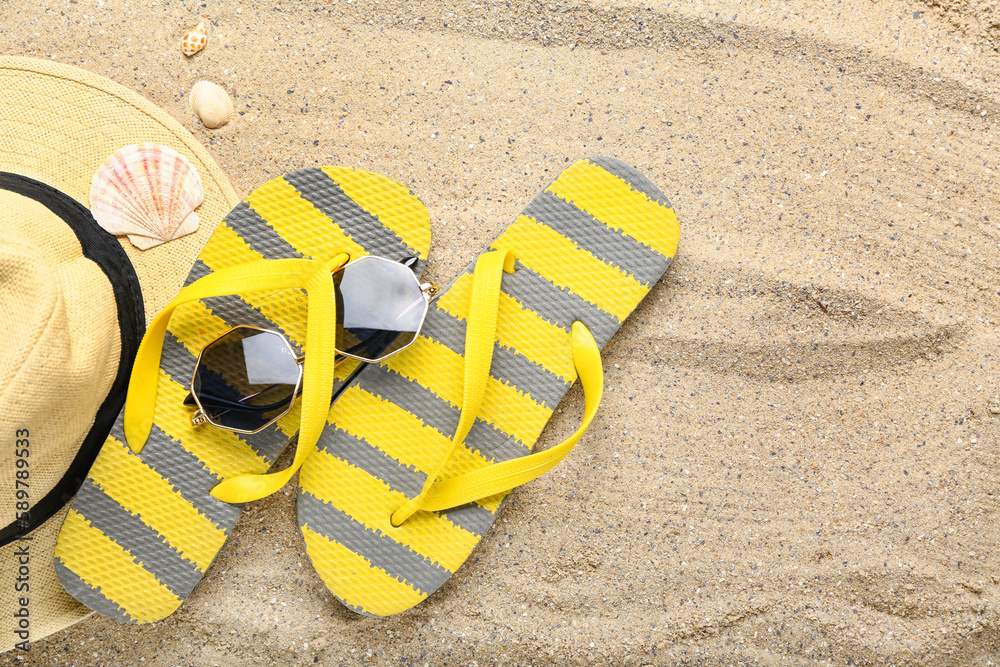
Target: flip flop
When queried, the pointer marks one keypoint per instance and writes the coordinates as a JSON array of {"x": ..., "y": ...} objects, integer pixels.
[
  {"x": 144, "y": 527},
  {"x": 427, "y": 444}
]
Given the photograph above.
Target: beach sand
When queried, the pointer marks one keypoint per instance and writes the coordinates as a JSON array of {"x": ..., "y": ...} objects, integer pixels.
[{"x": 796, "y": 459}]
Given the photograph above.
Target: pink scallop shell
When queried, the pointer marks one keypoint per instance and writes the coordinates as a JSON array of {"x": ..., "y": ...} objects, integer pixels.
[{"x": 148, "y": 192}]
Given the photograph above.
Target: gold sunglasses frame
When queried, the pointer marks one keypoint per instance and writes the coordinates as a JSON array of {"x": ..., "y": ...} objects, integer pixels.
[{"x": 200, "y": 416}]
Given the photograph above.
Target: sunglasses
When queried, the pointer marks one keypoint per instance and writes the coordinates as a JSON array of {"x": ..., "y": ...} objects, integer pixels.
[{"x": 248, "y": 378}]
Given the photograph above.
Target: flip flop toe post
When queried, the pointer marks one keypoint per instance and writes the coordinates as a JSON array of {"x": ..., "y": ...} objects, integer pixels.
[
  {"x": 144, "y": 527},
  {"x": 586, "y": 251}
]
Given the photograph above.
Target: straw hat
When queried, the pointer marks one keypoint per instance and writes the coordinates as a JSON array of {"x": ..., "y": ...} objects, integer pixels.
[{"x": 74, "y": 302}]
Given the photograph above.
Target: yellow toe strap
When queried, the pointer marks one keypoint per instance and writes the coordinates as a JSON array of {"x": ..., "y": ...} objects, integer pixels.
[
  {"x": 317, "y": 374},
  {"x": 502, "y": 477},
  {"x": 480, "y": 334}
]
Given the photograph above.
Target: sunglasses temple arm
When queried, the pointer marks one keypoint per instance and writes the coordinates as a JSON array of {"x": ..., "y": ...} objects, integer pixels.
[
  {"x": 207, "y": 400},
  {"x": 347, "y": 382},
  {"x": 217, "y": 402},
  {"x": 375, "y": 344}
]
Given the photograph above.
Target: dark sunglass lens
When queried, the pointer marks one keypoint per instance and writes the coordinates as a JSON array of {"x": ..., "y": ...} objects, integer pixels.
[
  {"x": 379, "y": 307},
  {"x": 246, "y": 379}
]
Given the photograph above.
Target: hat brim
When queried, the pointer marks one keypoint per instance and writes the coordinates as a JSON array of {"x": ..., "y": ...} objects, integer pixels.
[{"x": 58, "y": 123}]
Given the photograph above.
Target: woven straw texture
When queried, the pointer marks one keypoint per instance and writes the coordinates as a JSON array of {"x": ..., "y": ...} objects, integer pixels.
[
  {"x": 144, "y": 527},
  {"x": 53, "y": 347},
  {"x": 588, "y": 249},
  {"x": 62, "y": 343},
  {"x": 60, "y": 355},
  {"x": 59, "y": 123}
]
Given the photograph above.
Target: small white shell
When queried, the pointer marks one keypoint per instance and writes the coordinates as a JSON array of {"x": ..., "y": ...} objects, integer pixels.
[
  {"x": 148, "y": 192},
  {"x": 194, "y": 41},
  {"x": 212, "y": 104}
]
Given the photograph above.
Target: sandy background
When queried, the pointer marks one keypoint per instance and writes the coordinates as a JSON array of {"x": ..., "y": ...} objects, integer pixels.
[{"x": 797, "y": 461}]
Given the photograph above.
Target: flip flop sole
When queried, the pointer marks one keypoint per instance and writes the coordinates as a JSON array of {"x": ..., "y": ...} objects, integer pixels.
[
  {"x": 589, "y": 248},
  {"x": 143, "y": 528}
]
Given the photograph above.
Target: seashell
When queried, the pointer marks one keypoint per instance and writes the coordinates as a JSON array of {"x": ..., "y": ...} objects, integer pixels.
[
  {"x": 194, "y": 41},
  {"x": 212, "y": 104},
  {"x": 148, "y": 192}
]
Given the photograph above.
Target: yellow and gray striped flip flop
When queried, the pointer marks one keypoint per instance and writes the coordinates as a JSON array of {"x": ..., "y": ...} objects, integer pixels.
[
  {"x": 143, "y": 528},
  {"x": 588, "y": 249}
]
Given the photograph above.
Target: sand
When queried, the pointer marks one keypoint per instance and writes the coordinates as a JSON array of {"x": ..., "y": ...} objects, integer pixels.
[{"x": 796, "y": 461}]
